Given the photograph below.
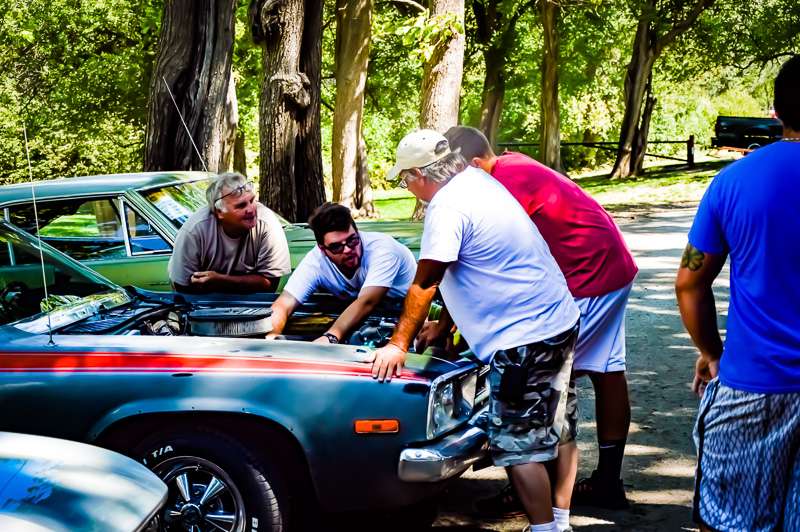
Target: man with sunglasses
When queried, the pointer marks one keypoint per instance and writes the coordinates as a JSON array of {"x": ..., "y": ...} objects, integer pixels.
[
  {"x": 349, "y": 264},
  {"x": 235, "y": 245}
]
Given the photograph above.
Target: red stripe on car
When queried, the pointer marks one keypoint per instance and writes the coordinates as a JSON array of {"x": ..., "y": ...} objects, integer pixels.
[{"x": 25, "y": 361}]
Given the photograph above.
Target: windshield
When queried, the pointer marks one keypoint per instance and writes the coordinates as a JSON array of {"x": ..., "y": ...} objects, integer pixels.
[
  {"x": 22, "y": 281},
  {"x": 178, "y": 202}
]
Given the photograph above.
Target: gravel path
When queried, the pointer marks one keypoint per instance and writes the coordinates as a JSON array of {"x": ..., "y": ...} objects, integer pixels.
[{"x": 659, "y": 459}]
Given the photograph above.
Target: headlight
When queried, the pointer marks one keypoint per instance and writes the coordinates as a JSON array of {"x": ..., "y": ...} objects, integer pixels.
[{"x": 451, "y": 401}]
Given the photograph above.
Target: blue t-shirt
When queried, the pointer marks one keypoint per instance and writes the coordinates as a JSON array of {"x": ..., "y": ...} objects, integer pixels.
[{"x": 752, "y": 212}]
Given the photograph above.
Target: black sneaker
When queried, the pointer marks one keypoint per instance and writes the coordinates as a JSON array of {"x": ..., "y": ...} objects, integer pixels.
[
  {"x": 600, "y": 493},
  {"x": 503, "y": 504}
]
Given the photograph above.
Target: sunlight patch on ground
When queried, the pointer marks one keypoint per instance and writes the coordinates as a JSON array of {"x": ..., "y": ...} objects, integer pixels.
[
  {"x": 585, "y": 520},
  {"x": 679, "y": 497},
  {"x": 633, "y": 449},
  {"x": 674, "y": 467}
]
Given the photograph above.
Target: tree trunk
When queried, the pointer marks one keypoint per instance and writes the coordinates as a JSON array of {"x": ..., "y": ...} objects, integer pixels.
[
  {"x": 640, "y": 142},
  {"x": 550, "y": 147},
  {"x": 290, "y": 139},
  {"x": 232, "y": 123},
  {"x": 309, "y": 176},
  {"x": 441, "y": 80},
  {"x": 353, "y": 19},
  {"x": 363, "y": 185},
  {"x": 638, "y": 72},
  {"x": 494, "y": 91},
  {"x": 495, "y": 31},
  {"x": 195, "y": 56},
  {"x": 647, "y": 47},
  {"x": 239, "y": 154}
]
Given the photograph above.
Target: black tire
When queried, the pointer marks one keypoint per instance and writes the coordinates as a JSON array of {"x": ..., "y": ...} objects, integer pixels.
[{"x": 194, "y": 462}]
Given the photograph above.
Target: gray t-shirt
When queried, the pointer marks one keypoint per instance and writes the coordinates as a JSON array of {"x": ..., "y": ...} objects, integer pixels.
[{"x": 202, "y": 245}]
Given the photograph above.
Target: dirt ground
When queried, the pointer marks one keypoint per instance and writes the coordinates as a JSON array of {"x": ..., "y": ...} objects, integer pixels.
[{"x": 659, "y": 459}]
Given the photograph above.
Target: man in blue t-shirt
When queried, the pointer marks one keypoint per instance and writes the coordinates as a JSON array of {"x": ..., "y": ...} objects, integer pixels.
[{"x": 748, "y": 427}]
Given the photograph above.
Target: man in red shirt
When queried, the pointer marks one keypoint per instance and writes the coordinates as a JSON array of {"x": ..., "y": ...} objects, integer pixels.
[{"x": 599, "y": 269}]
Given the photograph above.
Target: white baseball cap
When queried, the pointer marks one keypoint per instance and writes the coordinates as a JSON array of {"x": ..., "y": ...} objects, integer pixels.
[{"x": 419, "y": 149}]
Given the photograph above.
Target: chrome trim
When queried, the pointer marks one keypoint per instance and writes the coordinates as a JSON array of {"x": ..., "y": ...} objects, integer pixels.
[
  {"x": 123, "y": 220},
  {"x": 483, "y": 395},
  {"x": 445, "y": 459},
  {"x": 441, "y": 380}
]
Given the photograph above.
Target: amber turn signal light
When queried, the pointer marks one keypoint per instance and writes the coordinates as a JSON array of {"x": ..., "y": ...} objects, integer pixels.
[{"x": 377, "y": 426}]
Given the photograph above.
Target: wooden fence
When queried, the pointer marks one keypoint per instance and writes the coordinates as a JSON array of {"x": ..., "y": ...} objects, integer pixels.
[{"x": 614, "y": 146}]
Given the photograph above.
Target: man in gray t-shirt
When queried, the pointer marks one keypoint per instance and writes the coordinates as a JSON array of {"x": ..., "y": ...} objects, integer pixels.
[{"x": 234, "y": 245}]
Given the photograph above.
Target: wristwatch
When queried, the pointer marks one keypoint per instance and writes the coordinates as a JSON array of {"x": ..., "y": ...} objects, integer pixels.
[{"x": 332, "y": 338}]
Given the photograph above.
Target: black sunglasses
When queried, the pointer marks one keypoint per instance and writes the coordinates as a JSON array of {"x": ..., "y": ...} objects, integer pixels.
[{"x": 338, "y": 247}]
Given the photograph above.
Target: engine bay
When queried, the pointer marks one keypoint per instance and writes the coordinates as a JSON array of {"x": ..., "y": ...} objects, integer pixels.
[{"x": 221, "y": 320}]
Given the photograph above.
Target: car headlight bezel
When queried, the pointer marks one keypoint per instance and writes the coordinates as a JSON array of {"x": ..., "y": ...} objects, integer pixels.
[{"x": 451, "y": 401}]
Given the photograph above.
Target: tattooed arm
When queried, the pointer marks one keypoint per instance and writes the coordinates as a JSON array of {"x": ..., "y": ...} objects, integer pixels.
[{"x": 698, "y": 311}]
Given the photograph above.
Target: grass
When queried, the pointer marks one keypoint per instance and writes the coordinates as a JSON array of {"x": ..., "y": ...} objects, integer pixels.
[{"x": 659, "y": 187}]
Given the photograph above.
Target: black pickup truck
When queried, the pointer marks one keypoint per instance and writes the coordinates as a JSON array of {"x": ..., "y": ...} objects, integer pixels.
[{"x": 746, "y": 132}]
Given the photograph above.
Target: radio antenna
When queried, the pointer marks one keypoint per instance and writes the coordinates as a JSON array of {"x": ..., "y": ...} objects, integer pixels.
[
  {"x": 184, "y": 124},
  {"x": 38, "y": 235}
]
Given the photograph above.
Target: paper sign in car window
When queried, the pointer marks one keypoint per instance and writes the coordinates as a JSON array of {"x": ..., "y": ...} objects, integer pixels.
[{"x": 171, "y": 208}]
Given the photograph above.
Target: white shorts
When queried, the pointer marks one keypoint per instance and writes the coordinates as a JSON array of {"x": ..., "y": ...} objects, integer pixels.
[{"x": 601, "y": 341}]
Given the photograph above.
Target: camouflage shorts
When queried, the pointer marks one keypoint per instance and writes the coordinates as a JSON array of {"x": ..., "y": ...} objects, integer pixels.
[{"x": 533, "y": 404}]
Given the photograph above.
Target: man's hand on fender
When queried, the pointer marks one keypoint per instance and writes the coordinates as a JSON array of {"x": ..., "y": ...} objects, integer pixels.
[{"x": 388, "y": 362}]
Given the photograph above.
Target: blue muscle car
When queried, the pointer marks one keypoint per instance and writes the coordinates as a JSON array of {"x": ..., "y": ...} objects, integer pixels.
[{"x": 244, "y": 431}]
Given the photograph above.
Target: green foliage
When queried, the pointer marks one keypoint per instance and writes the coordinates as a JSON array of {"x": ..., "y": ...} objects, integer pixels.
[{"x": 77, "y": 74}]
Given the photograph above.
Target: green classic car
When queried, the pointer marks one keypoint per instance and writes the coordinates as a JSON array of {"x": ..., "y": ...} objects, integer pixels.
[{"x": 123, "y": 226}]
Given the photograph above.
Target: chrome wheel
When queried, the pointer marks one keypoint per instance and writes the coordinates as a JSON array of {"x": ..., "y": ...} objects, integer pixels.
[{"x": 202, "y": 497}]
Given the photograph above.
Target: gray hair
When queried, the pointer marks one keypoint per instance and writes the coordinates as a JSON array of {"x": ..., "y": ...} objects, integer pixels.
[
  {"x": 228, "y": 180},
  {"x": 442, "y": 170}
]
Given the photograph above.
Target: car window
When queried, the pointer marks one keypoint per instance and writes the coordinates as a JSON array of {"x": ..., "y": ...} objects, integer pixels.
[
  {"x": 143, "y": 237},
  {"x": 84, "y": 229},
  {"x": 177, "y": 202},
  {"x": 24, "y": 273}
]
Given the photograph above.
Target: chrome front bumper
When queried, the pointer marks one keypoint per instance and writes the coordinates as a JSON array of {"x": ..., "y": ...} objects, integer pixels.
[{"x": 447, "y": 458}]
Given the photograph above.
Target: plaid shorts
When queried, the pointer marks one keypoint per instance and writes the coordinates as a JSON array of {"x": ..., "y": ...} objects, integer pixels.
[
  {"x": 748, "y": 460},
  {"x": 533, "y": 404}
]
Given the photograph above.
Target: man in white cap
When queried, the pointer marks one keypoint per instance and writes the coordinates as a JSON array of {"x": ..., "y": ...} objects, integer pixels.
[{"x": 511, "y": 303}]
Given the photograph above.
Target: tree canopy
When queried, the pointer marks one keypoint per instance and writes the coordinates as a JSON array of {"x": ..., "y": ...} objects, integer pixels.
[{"x": 77, "y": 73}]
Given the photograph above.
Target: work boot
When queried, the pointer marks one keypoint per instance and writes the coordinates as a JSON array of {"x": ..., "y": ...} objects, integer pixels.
[
  {"x": 600, "y": 493},
  {"x": 501, "y": 505}
]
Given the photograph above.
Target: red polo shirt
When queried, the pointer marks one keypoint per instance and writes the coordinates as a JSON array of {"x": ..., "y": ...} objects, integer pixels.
[{"x": 583, "y": 238}]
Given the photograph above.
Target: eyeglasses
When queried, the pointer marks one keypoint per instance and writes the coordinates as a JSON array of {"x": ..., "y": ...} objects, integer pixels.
[
  {"x": 238, "y": 191},
  {"x": 402, "y": 182},
  {"x": 338, "y": 247}
]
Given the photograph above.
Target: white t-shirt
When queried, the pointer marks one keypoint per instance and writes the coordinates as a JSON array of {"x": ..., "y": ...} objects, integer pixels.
[
  {"x": 384, "y": 262},
  {"x": 503, "y": 288}
]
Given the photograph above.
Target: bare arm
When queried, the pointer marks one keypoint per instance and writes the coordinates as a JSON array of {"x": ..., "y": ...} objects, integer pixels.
[
  {"x": 282, "y": 308},
  {"x": 211, "y": 281},
  {"x": 698, "y": 311},
  {"x": 389, "y": 359},
  {"x": 356, "y": 311}
]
